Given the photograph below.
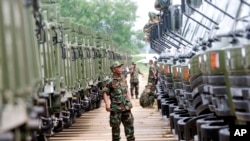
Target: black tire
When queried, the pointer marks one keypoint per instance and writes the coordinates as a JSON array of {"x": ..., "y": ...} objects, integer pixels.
[
  {"x": 42, "y": 138},
  {"x": 59, "y": 127}
]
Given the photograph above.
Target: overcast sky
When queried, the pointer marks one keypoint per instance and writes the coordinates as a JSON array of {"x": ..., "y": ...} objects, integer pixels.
[{"x": 144, "y": 6}]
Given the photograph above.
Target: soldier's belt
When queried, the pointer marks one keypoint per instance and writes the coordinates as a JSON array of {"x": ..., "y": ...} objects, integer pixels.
[{"x": 114, "y": 112}]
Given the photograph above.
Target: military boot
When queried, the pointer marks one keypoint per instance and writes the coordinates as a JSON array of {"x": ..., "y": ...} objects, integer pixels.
[
  {"x": 136, "y": 92},
  {"x": 131, "y": 139}
]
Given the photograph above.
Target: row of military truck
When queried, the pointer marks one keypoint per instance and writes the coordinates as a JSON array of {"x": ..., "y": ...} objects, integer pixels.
[
  {"x": 51, "y": 69},
  {"x": 204, "y": 65}
]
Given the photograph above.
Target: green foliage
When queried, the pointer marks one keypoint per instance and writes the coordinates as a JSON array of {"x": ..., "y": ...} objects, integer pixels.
[
  {"x": 137, "y": 58},
  {"x": 143, "y": 67},
  {"x": 113, "y": 17}
]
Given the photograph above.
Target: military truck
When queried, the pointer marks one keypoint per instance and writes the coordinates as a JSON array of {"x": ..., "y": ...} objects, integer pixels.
[
  {"x": 52, "y": 70},
  {"x": 203, "y": 49}
]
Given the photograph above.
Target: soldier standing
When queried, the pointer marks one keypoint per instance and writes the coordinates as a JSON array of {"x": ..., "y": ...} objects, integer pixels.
[
  {"x": 156, "y": 72},
  {"x": 134, "y": 80},
  {"x": 117, "y": 102},
  {"x": 152, "y": 73}
]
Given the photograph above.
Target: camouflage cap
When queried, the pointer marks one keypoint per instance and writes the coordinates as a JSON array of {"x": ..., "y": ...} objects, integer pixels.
[
  {"x": 133, "y": 63},
  {"x": 115, "y": 64}
]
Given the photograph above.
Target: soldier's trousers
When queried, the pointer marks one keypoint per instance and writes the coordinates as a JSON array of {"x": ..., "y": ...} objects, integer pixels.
[
  {"x": 127, "y": 119},
  {"x": 134, "y": 85}
]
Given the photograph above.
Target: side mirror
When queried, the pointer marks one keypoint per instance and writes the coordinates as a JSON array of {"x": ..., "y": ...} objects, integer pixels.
[
  {"x": 162, "y": 4},
  {"x": 175, "y": 18}
]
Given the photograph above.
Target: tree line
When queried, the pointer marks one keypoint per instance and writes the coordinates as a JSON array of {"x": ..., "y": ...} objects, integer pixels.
[{"x": 113, "y": 17}]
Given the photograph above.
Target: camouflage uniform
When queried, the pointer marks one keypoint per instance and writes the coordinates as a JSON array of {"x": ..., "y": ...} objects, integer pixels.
[
  {"x": 147, "y": 97},
  {"x": 157, "y": 72},
  {"x": 120, "y": 109},
  {"x": 134, "y": 81},
  {"x": 124, "y": 77},
  {"x": 151, "y": 78}
]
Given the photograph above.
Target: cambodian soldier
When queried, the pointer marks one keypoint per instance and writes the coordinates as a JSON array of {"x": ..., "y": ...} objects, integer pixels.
[
  {"x": 134, "y": 80},
  {"x": 124, "y": 76},
  {"x": 152, "y": 73},
  {"x": 147, "y": 97},
  {"x": 156, "y": 71},
  {"x": 117, "y": 102}
]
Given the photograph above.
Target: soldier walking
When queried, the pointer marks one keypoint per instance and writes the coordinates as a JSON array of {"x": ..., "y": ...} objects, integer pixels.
[
  {"x": 117, "y": 102},
  {"x": 134, "y": 80},
  {"x": 152, "y": 73}
]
